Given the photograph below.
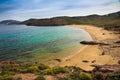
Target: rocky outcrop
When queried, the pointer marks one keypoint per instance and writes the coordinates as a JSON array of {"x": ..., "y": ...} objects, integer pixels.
[
  {"x": 85, "y": 61},
  {"x": 112, "y": 49},
  {"x": 105, "y": 68},
  {"x": 93, "y": 43},
  {"x": 58, "y": 60},
  {"x": 117, "y": 41}
]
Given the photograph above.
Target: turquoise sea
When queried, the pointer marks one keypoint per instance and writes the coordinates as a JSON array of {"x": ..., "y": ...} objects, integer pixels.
[{"x": 30, "y": 43}]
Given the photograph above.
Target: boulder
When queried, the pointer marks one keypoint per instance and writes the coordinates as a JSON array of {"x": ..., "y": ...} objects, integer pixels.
[
  {"x": 92, "y": 43},
  {"x": 85, "y": 61}
]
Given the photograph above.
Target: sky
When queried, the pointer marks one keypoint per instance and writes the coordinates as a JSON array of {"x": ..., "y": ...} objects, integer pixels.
[{"x": 26, "y": 9}]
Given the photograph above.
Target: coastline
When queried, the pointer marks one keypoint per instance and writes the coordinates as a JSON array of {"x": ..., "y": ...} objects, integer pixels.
[
  {"x": 91, "y": 52},
  {"x": 68, "y": 57}
]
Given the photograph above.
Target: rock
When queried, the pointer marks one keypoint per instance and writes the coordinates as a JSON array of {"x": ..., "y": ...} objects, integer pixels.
[
  {"x": 118, "y": 61},
  {"x": 103, "y": 53},
  {"x": 59, "y": 60},
  {"x": 115, "y": 46},
  {"x": 89, "y": 42},
  {"x": 103, "y": 33},
  {"x": 117, "y": 41},
  {"x": 85, "y": 61},
  {"x": 93, "y": 61},
  {"x": 105, "y": 68},
  {"x": 92, "y": 43}
]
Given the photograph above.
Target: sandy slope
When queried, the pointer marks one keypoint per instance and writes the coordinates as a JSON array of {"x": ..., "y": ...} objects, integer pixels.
[{"x": 91, "y": 53}]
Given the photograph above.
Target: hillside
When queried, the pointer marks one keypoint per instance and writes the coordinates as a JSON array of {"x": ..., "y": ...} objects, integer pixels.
[
  {"x": 9, "y": 22},
  {"x": 110, "y": 21}
]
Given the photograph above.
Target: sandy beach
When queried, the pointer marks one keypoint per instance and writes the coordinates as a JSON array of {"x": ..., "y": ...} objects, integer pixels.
[{"x": 92, "y": 53}]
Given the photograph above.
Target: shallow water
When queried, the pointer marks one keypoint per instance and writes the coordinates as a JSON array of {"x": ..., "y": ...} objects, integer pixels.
[{"x": 30, "y": 43}]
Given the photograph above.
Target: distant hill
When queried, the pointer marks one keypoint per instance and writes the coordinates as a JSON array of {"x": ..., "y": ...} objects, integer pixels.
[
  {"x": 110, "y": 21},
  {"x": 9, "y": 22}
]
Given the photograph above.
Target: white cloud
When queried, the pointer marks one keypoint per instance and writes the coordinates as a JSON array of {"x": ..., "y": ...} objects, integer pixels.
[{"x": 56, "y": 8}]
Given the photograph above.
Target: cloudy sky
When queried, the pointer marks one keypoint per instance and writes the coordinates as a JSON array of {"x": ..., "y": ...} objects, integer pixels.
[{"x": 25, "y": 9}]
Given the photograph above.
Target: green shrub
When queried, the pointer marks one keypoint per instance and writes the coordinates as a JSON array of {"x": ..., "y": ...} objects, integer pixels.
[
  {"x": 23, "y": 71},
  {"x": 43, "y": 67},
  {"x": 7, "y": 77},
  {"x": 40, "y": 78},
  {"x": 77, "y": 76},
  {"x": 30, "y": 69},
  {"x": 98, "y": 76},
  {"x": 84, "y": 77},
  {"x": 113, "y": 76},
  {"x": 4, "y": 72},
  {"x": 19, "y": 78},
  {"x": 33, "y": 69},
  {"x": 64, "y": 79},
  {"x": 54, "y": 70},
  {"x": 117, "y": 72},
  {"x": 57, "y": 70},
  {"x": 47, "y": 72}
]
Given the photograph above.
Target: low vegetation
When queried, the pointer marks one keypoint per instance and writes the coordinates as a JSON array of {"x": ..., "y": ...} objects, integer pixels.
[
  {"x": 7, "y": 71},
  {"x": 40, "y": 78}
]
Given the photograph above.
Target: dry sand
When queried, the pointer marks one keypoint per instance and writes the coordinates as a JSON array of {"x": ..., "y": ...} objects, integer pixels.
[{"x": 91, "y": 53}]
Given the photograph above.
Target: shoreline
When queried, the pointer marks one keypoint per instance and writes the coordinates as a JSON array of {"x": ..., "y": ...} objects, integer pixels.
[
  {"x": 70, "y": 56},
  {"x": 91, "y": 52}
]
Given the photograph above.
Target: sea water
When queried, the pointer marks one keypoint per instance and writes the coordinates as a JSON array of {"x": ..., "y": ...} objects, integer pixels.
[{"x": 41, "y": 43}]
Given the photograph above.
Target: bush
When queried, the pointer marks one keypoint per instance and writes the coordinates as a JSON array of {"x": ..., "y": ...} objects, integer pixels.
[
  {"x": 4, "y": 72},
  {"x": 33, "y": 69},
  {"x": 57, "y": 70},
  {"x": 43, "y": 67},
  {"x": 84, "y": 77},
  {"x": 54, "y": 70},
  {"x": 98, "y": 76},
  {"x": 113, "y": 77},
  {"x": 19, "y": 78},
  {"x": 47, "y": 72},
  {"x": 117, "y": 72},
  {"x": 64, "y": 79},
  {"x": 7, "y": 77},
  {"x": 23, "y": 71},
  {"x": 40, "y": 78},
  {"x": 77, "y": 76}
]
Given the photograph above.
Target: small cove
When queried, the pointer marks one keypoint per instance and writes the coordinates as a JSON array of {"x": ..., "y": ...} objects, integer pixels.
[{"x": 30, "y": 44}]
